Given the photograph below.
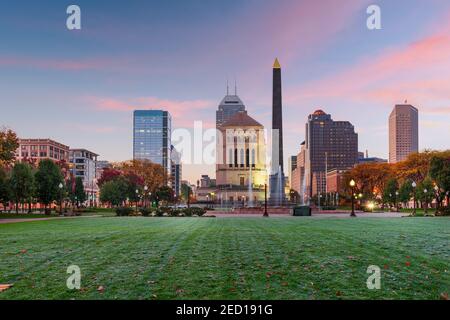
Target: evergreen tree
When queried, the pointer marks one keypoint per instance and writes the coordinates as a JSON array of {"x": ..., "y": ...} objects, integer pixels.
[{"x": 48, "y": 177}]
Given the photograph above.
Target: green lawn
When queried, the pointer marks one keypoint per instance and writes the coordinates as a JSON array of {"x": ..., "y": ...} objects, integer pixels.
[{"x": 228, "y": 258}]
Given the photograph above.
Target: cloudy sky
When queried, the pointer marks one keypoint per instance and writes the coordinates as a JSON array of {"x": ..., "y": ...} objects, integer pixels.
[{"x": 80, "y": 87}]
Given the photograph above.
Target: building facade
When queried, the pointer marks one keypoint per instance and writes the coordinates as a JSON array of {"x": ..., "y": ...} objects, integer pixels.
[
  {"x": 152, "y": 131},
  {"x": 83, "y": 164},
  {"x": 175, "y": 171},
  {"x": 292, "y": 165},
  {"x": 34, "y": 150},
  {"x": 298, "y": 174},
  {"x": 241, "y": 166},
  {"x": 329, "y": 145},
  {"x": 403, "y": 132}
]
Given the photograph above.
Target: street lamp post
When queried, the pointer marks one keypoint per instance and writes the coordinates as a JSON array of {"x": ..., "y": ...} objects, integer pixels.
[
  {"x": 395, "y": 201},
  {"x": 352, "y": 185},
  {"x": 266, "y": 214},
  {"x": 145, "y": 198},
  {"x": 436, "y": 190},
  {"x": 137, "y": 199},
  {"x": 425, "y": 191},
  {"x": 414, "y": 185},
  {"x": 60, "y": 198}
]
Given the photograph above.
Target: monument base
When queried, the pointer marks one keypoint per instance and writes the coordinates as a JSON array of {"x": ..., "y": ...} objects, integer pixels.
[{"x": 277, "y": 197}]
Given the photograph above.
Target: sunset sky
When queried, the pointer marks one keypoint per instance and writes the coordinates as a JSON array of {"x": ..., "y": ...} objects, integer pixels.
[{"x": 80, "y": 87}]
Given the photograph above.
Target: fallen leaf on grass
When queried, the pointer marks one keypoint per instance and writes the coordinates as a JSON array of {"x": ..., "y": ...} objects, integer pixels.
[
  {"x": 179, "y": 291},
  {"x": 444, "y": 296},
  {"x": 23, "y": 251},
  {"x": 4, "y": 287},
  {"x": 338, "y": 293},
  {"x": 408, "y": 263},
  {"x": 100, "y": 289},
  {"x": 284, "y": 284},
  {"x": 386, "y": 266}
]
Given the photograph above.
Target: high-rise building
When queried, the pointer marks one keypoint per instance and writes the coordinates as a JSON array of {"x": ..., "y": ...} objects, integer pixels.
[
  {"x": 298, "y": 174},
  {"x": 292, "y": 165},
  {"x": 330, "y": 145},
  {"x": 175, "y": 171},
  {"x": 152, "y": 137},
  {"x": 230, "y": 105},
  {"x": 83, "y": 164},
  {"x": 403, "y": 132}
]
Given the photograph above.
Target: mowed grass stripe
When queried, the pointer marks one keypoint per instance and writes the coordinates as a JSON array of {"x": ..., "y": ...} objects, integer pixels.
[{"x": 231, "y": 258}]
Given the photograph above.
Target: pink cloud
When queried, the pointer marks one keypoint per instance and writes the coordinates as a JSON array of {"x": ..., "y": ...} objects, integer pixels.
[
  {"x": 418, "y": 72},
  {"x": 55, "y": 64},
  {"x": 183, "y": 112}
]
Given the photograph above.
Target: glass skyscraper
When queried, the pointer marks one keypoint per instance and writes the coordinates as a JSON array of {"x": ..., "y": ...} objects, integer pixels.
[{"x": 152, "y": 136}]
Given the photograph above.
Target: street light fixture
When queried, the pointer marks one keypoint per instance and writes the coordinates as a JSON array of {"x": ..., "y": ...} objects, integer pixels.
[
  {"x": 137, "y": 199},
  {"x": 352, "y": 185},
  {"x": 425, "y": 191},
  {"x": 414, "y": 185},
  {"x": 60, "y": 186},
  {"x": 145, "y": 198},
  {"x": 436, "y": 189},
  {"x": 266, "y": 214},
  {"x": 395, "y": 201}
]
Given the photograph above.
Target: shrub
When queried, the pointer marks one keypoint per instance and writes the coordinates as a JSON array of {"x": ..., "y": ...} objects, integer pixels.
[
  {"x": 175, "y": 212},
  {"x": 444, "y": 211},
  {"x": 145, "y": 211},
  {"x": 189, "y": 212},
  {"x": 124, "y": 211}
]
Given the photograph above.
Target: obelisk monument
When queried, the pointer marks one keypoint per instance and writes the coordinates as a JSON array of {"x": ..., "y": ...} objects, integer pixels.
[{"x": 277, "y": 179}]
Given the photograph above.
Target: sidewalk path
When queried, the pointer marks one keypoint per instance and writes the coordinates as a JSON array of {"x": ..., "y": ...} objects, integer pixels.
[
  {"x": 6, "y": 221},
  {"x": 222, "y": 214}
]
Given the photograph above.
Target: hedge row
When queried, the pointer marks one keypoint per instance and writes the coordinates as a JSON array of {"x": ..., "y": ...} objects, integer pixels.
[{"x": 160, "y": 212}]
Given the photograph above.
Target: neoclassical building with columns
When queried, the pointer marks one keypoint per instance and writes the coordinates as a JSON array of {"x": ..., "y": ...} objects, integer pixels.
[{"x": 241, "y": 160}]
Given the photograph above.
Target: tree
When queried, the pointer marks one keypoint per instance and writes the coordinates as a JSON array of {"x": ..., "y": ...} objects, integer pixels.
[
  {"x": 154, "y": 175},
  {"x": 163, "y": 193},
  {"x": 405, "y": 192},
  {"x": 370, "y": 178},
  {"x": 8, "y": 146},
  {"x": 80, "y": 193},
  {"x": 21, "y": 183},
  {"x": 425, "y": 192},
  {"x": 440, "y": 173},
  {"x": 416, "y": 166},
  {"x": 134, "y": 183},
  {"x": 108, "y": 174},
  {"x": 5, "y": 189},
  {"x": 389, "y": 193},
  {"x": 114, "y": 191},
  {"x": 185, "y": 191},
  {"x": 48, "y": 177}
]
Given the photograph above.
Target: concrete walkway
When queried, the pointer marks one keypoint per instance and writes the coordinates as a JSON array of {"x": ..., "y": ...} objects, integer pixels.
[
  {"x": 314, "y": 215},
  {"x": 6, "y": 221}
]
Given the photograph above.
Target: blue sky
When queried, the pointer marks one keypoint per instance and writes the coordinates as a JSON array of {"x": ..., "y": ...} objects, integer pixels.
[{"x": 79, "y": 87}]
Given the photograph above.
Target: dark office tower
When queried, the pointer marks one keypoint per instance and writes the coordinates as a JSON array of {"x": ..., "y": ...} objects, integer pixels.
[
  {"x": 228, "y": 107},
  {"x": 330, "y": 145},
  {"x": 277, "y": 179}
]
